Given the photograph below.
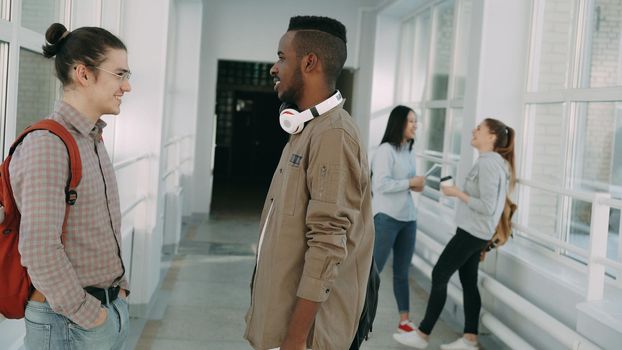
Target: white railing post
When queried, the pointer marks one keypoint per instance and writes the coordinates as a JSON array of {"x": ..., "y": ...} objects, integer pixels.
[{"x": 599, "y": 230}]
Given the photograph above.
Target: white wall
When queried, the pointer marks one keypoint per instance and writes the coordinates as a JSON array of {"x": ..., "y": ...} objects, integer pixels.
[
  {"x": 143, "y": 119},
  {"x": 244, "y": 30}
]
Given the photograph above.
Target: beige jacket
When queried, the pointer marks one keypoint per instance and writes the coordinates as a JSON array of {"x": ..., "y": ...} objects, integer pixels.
[{"x": 317, "y": 236}]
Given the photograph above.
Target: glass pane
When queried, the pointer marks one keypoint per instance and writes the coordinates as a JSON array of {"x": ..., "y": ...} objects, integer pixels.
[
  {"x": 546, "y": 123},
  {"x": 37, "y": 87},
  {"x": 543, "y": 210},
  {"x": 553, "y": 44},
  {"x": 434, "y": 129},
  {"x": 442, "y": 50},
  {"x": 37, "y": 15},
  {"x": 456, "y": 131},
  {"x": 423, "y": 23},
  {"x": 462, "y": 47},
  {"x": 579, "y": 230},
  {"x": 406, "y": 59},
  {"x": 605, "y": 54},
  {"x": 598, "y": 159}
]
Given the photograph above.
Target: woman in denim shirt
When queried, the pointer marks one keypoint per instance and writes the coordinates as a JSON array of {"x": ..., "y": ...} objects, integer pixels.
[
  {"x": 394, "y": 177},
  {"x": 478, "y": 212}
]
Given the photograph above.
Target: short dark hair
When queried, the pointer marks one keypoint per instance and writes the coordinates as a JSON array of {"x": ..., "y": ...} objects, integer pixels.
[
  {"x": 326, "y": 37},
  {"x": 86, "y": 45},
  {"x": 394, "y": 133}
]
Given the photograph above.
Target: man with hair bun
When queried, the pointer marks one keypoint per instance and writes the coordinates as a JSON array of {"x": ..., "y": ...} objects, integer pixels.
[
  {"x": 315, "y": 247},
  {"x": 78, "y": 276}
]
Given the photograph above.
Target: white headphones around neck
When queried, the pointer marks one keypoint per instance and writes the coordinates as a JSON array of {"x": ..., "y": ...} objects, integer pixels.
[{"x": 293, "y": 121}]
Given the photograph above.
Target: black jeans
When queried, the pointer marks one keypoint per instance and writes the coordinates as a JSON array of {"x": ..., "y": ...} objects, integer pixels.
[{"x": 461, "y": 253}]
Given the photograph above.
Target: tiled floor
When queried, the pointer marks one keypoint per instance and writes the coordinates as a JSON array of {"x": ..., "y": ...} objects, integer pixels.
[{"x": 205, "y": 294}]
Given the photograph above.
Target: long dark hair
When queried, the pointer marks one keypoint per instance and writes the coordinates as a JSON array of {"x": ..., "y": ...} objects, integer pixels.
[
  {"x": 394, "y": 133},
  {"x": 504, "y": 145},
  {"x": 86, "y": 45}
]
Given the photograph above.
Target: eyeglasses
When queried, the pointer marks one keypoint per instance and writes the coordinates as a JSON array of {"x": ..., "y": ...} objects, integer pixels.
[{"x": 122, "y": 76}]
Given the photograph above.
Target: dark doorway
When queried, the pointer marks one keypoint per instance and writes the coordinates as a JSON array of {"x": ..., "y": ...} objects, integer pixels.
[{"x": 249, "y": 139}]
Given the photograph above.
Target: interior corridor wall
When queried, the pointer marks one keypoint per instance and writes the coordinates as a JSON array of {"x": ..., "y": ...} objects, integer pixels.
[
  {"x": 146, "y": 38},
  {"x": 248, "y": 30}
]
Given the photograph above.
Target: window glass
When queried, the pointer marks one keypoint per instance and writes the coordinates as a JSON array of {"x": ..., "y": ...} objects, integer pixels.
[
  {"x": 552, "y": 45},
  {"x": 406, "y": 59},
  {"x": 37, "y": 88},
  {"x": 462, "y": 47},
  {"x": 457, "y": 131},
  {"x": 37, "y": 15},
  {"x": 546, "y": 124},
  {"x": 544, "y": 209},
  {"x": 442, "y": 51},
  {"x": 598, "y": 166},
  {"x": 606, "y": 27},
  {"x": 421, "y": 53},
  {"x": 434, "y": 131}
]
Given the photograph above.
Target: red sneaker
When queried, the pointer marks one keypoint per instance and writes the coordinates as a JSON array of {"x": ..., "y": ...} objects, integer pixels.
[{"x": 406, "y": 326}]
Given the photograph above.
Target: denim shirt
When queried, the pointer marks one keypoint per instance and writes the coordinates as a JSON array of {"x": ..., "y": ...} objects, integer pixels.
[{"x": 392, "y": 168}]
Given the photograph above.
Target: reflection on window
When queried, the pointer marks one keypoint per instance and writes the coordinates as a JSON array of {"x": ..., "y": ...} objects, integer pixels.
[
  {"x": 553, "y": 44},
  {"x": 406, "y": 57},
  {"x": 37, "y": 88},
  {"x": 579, "y": 227},
  {"x": 547, "y": 143},
  {"x": 37, "y": 15},
  {"x": 423, "y": 24},
  {"x": 543, "y": 212},
  {"x": 442, "y": 51},
  {"x": 456, "y": 131},
  {"x": 462, "y": 47},
  {"x": 435, "y": 130},
  {"x": 606, "y": 32}
]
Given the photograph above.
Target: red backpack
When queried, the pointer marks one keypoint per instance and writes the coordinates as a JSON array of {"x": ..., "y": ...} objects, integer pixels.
[{"x": 15, "y": 285}]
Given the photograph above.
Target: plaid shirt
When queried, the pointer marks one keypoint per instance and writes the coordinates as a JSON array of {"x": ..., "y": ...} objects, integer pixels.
[{"x": 91, "y": 253}]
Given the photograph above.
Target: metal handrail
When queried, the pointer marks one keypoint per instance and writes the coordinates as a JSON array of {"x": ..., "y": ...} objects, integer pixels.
[
  {"x": 127, "y": 162},
  {"x": 609, "y": 263},
  {"x": 133, "y": 205},
  {"x": 584, "y": 196},
  {"x": 177, "y": 139},
  {"x": 612, "y": 203},
  {"x": 543, "y": 238}
]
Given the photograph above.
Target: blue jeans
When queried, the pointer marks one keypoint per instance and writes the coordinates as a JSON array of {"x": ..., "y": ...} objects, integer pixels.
[
  {"x": 399, "y": 235},
  {"x": 46, "y": 329}
]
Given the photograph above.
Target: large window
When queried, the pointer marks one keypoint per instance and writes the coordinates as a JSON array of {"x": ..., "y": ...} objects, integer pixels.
[
  {"x": 28, "y": 86},
  {"x": 434, "y": 46},
  {"x": 574, "y": 117}
]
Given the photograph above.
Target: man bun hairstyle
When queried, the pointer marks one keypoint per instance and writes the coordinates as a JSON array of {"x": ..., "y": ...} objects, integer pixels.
[
  {"x": 325, "y": 37},
  {"x": 85, "y": 45}
]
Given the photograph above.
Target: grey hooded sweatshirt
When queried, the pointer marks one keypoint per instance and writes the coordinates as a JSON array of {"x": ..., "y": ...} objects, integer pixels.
[{"x": 487, "y": 185}]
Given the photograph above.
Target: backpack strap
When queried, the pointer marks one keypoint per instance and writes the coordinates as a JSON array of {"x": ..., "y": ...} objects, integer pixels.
[{"x": 75, "y": 162}]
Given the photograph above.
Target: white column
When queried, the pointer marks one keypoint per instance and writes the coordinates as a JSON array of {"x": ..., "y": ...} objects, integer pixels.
[{"x": 599, "y": 229}]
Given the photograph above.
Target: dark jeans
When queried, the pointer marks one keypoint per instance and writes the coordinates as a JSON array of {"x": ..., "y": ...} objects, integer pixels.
[
  {"x": 399, "y": 236},
  {"x": 461, "y": 253}
]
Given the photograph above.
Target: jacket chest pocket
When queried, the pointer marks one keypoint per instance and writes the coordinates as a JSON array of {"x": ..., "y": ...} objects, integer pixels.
[{"x": 289, "y": 191}]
